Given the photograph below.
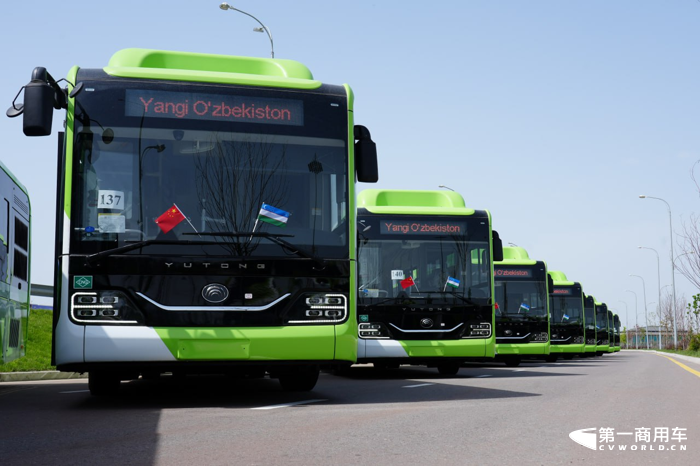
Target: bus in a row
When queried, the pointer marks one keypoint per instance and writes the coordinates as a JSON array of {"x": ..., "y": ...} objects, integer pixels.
[{"x": 15, "y": 248}]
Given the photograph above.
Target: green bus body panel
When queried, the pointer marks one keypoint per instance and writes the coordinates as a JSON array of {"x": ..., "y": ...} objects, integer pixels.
[
  {"x": 523, "y": 348},
  {"x": 252, "y": 344},
  {"x": 400, "y": 201},
  {"x": 559, "y": 278},
  {"x": 448, "y": 348},
  {"x": 515, "y": 255},
  {"x": 203, "y": 67},
  {"x": 575, "y": 348}
]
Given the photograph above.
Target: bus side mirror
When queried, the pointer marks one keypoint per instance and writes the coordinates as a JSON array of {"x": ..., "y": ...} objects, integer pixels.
[
  {"x": 497, "y": 246},
  {"x": 550, "y": 283},
  {"x": 41, "y": 96},
  {"x": 365, "y": 156}
]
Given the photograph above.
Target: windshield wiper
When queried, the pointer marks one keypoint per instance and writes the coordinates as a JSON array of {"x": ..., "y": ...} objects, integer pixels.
[
  {"x": 275, "y": 238},
  {"x": 93, "y": 258}
]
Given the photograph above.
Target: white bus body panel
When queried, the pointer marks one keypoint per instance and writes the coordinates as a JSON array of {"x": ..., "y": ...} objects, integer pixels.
[
  {"x": 381, "y": 349},
  {"x": 127, "y": 343}
]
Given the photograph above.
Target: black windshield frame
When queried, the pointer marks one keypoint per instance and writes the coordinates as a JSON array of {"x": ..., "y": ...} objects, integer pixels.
[
  {"x": 431, "y": 260},
  {"x": 316, "y": 191}
]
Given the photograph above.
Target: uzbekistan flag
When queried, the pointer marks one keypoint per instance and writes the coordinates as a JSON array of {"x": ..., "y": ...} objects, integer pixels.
[
  {"x": 453, "y": 282},
  {"x": 273, "y": 215},
  {"x": 170, "y": 219},
  {"x": 565, "y": 317}
]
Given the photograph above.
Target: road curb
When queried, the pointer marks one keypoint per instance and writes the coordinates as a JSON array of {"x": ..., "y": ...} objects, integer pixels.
[{"x": 39, "y": 375}]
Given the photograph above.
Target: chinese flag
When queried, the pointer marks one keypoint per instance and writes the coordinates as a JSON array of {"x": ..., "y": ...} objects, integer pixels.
[
  {"x": 170, "y": 219},
  {"x": 408, "y": 282}
]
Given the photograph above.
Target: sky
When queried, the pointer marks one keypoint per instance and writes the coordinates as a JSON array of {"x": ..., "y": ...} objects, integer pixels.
[{"x": 553, "y": 115}]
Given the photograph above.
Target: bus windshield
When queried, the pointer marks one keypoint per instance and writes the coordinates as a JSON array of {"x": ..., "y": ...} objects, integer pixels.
[
  {"x": 185, "y": 179},
  {"x": 521, "y": 299},
  {"x": 395, "y": 264},
  {"x": 566, "y": 309}
]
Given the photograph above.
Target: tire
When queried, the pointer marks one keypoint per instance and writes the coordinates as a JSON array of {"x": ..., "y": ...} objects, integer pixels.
[
  {"x": 512, "y": 362},
  {"x": 299, "y": 381},
  {"x": 103, "y": 383},
  {"x": 551, "y": 359},
  {"x": 448, "y": 369}
]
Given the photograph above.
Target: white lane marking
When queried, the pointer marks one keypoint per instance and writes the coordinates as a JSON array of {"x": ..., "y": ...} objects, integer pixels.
[
  {"x": 482, "y": 376},
  {"x": 519, "y": 370},
  {"x": 419, "y": 385},
  {"x": 287, "y": 405},
  {"x": 76, "y": 391}
]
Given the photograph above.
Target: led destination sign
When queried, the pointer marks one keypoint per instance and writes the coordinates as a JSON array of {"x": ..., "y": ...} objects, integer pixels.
[
  {"x": 512, "y": 273},
  {"x": 234, "y": 108},
  {"x": 562, "y": 291},
  {"x": 422, "y": 227}
]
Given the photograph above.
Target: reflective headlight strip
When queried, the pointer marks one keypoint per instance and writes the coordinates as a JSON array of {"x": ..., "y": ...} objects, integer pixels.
[
  {"x": 106, "y": 307},
  {"x": 329, "y": 308}
]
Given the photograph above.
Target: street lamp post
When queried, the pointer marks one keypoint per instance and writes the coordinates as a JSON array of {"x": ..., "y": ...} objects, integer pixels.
[
  {"x": 627, "y": 338},
  {"x": 225, "y": 6},
  {"x": 646, "y": 316},
  {"x": 658, "y": 274},
  {"x": 636, "y": 320},
  {"x": 673, "y": 269}
]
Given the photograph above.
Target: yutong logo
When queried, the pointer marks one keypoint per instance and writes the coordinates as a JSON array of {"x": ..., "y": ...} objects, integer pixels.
[
  {"x": 215, "y": 293},
  {"x": 209, "y": 265},
  {"x": 645, "y": 439}
]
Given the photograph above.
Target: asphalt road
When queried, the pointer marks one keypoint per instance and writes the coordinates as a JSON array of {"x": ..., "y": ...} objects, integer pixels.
[{"x": 487, "y": 414}]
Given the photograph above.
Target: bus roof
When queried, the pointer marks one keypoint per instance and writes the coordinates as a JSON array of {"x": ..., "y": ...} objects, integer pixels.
[
  {"x": 515, "y": 255},
  {"x": 559, "y": 278},
  {"x": 11, "y": 175},
  {"x": 204, "y": 67},
  {"x": 404, "y": 201}
]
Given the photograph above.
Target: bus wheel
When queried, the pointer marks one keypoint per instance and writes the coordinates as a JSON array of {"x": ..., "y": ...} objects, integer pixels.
[
  {"x": 103, "y": 383},
  {"x": 551, "y": 359},
  {"x": 299, "y": 381},
  {"x": 512, "y": 362},
  {"x": 448, "y": 369}
]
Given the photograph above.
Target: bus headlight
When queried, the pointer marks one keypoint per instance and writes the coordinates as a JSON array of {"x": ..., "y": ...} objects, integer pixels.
[
  {"x": 104, "y": 307},
  {"x": 541, "y": 337},
  {"x": 482, "y": 330},
  {"x": 319, "y": 308},
  {"x": 372, "y": 330}
]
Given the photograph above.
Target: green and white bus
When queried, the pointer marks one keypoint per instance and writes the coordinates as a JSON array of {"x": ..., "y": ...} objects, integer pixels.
[
  {"x": 591, "y": 333},
  {"x": 616, "y": 326},
  {"x": 522, "y": 307},
  {"x": 15, "y": 245},
  {"x": 601, "y": 325},
  {"x": 207, "y": 217},
  {"x": 425, "y": 288},
  {"x": 567, "y": 323},
  {"x": 611, "y": 332}
]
